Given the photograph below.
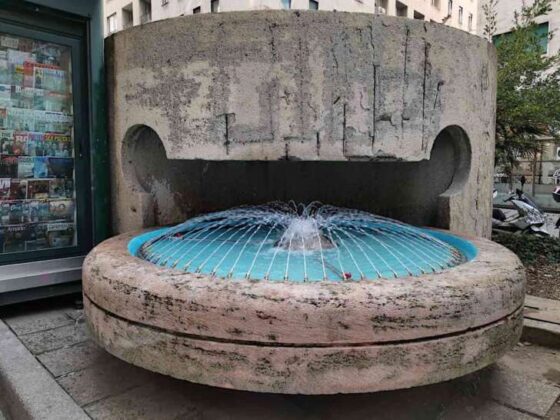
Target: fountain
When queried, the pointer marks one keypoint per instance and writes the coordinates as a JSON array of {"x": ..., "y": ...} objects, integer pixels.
[
  {"x": 299, "y": 243},
  {"x": 386, "y": 282}
]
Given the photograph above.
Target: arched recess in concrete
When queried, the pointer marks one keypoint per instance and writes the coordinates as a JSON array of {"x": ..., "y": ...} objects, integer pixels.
[
  {"x": 144, "y": 166},
  {"x": 173, "y": 190},
  {"x": 455, "y": 137}
]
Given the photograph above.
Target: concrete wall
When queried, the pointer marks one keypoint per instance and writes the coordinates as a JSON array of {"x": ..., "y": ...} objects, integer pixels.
[{"x": 350, "y": 92}]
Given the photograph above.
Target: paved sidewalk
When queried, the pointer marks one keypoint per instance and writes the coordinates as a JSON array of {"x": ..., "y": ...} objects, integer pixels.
[{"x": 524, "y": 385}]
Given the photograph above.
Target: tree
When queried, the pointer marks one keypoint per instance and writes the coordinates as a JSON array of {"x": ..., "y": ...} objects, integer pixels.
[{"x": 528, "y": 97}]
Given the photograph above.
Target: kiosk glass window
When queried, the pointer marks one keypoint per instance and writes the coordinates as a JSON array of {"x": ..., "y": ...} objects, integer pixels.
[{"x": 37, "y": 177}]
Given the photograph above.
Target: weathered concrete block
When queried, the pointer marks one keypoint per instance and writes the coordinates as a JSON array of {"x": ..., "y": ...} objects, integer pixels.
[{"x": 300, "y": 86}]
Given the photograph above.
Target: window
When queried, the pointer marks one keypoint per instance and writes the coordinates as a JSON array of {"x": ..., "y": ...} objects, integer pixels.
[
  {"x": 215, "y": 6},
  {"x": 313, "y": 5},
  {"x": 145, "y": 11},
  {"x": 540, "y": 32},
  {"x": 418, "y": 15},
  {"x": 286, "y": 4},
  {"x": 461, "y": 15},
  {"x": 449, "y": 7},
  {"x": 470, "y": 21},
  {"x": 196, "y": 10},
  {"x": 402, "y": 9},
  {"x": 435, "y": 3},
  {"x": 382, "y": 6},
  {"x": 127, "y": 17},
  {"x": 112, "y": 23}
]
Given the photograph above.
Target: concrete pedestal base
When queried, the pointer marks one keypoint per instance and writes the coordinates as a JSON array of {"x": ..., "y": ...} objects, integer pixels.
[{"x": 304, "y": 370}]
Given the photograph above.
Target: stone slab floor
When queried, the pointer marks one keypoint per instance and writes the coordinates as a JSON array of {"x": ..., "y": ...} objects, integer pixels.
[{"x": 523, "y": 385}]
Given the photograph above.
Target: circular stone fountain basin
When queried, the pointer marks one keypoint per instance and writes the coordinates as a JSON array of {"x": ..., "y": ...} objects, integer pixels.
[
  {"x": 357, "y": 309},
  {"x": 286, "y": 242}
]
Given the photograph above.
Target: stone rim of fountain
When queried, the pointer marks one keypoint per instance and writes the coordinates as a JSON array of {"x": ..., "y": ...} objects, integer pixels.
[{"x": 476, "y": 293}]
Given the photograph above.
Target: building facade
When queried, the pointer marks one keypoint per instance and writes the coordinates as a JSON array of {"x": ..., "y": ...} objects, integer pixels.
[
  {"x": 545, "y": 166},
  {"x": 121, "y": 14}
]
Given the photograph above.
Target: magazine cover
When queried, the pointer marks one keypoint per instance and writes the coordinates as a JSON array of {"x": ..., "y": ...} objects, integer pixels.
[
  {"x": 61, "y": 167},
  {"x": 40, "y": 167},
  {"x": 20, "y": 119},
  {"x": 26, "y": 98},
  {"x": 20, "y": 143},
  {"x": 61, "y": 210},
  {"x": 6, "y": 141},
  {"x": 36, "y": 144},
  {"x": 9, "y": 42},
  {"x": 14, "y": 238},
  {"x": 3, "y": 118},
  {"x": 38, "y": 189},
  {"x": 5, "y": 188},
  {"x": 25, "y": 211},
  {"x": 9, "y": 167},
  {"x": 60, "y": 234},
  {"x": 18, "y": 189},
  {"x": 33, "y": 211},
  {"x": 25, "y": 167},
  {"x": 5, "y": 95},
  {"x": 58, "y": 145},
  {"x": 56, "y": 122},
  {"x": 49, "y": 78},
  {"x": 39, "y": 99},
  {"x": 36, "y": 237},
  {"x": 16, "y": 212},
  {"x": 5, "y": 213},
  {"x": 61, "y": 188},
  {"x": 56, "y": 102},
  {"x": 44, "y": 213},
  {"x": 5, "y": 74}
]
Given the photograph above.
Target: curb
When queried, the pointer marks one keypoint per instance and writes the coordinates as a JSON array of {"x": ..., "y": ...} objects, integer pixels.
[
  {"x": 542, "y": 321},
  {"x": 541, "y": 333},
  {"x": 27, "y": 390}
]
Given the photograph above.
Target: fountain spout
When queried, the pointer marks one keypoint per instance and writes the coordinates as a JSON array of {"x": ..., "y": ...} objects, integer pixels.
[{"x": 303, "y": 234}]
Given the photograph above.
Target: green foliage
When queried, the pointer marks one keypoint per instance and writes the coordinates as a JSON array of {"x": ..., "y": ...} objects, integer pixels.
[
  {"x": 528, "y": 97},
  {"x": 530, "y": 248}
]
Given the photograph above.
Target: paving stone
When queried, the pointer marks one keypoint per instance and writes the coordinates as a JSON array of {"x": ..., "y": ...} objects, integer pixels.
[
  {"x": 520, "y": 392},
  {"x": 167, "y": 398},
  {"x": 56, "y": 338},
  {"x": 71, "y": 359},
  {"x": 145, "y": 402},
  {"x": 217, "y": 404},
  {"x": 480, "y": 409},
  {"x": 554, "y": 412},
  {"x": 75, "y": 314},
  {"x": 428, "y": 402},
  {"x": 37, "y": 321},
  {"x": 535, "y": 362},
  {"x": 103, "y": 380}
]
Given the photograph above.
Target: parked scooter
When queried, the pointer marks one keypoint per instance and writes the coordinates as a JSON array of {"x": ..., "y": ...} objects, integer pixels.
[
  {"x": 529, "y": 219},
  {"x": 556, "y": 196}
]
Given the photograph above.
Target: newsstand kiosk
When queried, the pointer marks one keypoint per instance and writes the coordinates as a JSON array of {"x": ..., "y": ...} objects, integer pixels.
[{"x": 53, "y": 155}]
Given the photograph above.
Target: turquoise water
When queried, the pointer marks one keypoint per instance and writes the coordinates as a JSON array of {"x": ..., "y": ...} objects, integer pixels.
[{"x": 370, "y": 249}]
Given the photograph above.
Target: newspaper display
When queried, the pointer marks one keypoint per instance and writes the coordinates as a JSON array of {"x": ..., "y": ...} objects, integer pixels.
[{"x": 37, "y": 189}]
